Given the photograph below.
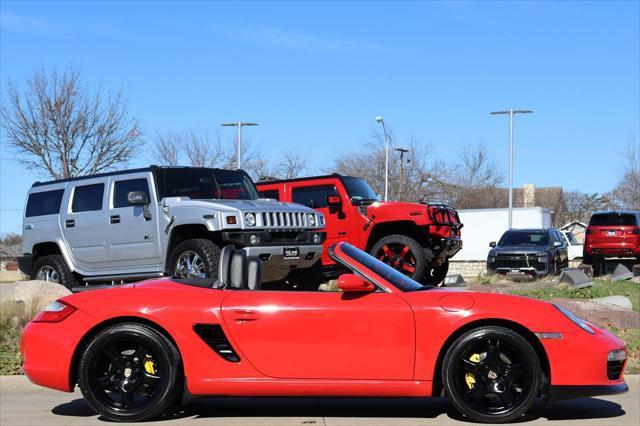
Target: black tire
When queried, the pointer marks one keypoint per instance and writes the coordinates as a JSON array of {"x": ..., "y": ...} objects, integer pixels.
[
  {"x": 54, "y": 262},
  {"x": 436, "y": 275},
  {"x": 308, "y": 279},
  {"x": 207, "y": 252},
  {"x": 125, "y": 349},
  {"x": 413, "y": 263},
  {"x": 506, "y": 377}
]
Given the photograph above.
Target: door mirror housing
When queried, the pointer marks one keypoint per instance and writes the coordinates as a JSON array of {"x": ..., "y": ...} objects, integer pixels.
[
  {"x": 557, "y": 244},
  {"x": 139, "y": 198},
  {"x": 334, "y": 200},
  {"x": 350, "y": 283},
  {"x": 492, "y": 244}
]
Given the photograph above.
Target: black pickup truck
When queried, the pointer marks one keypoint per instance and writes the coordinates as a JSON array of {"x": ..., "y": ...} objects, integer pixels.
[{"x": 535, "y": 252}]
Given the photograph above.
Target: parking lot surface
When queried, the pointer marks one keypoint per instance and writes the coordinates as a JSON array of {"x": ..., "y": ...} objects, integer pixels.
[{"x": 22, "y": 403}]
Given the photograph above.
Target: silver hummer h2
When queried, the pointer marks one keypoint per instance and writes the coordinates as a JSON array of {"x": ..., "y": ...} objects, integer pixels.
[{"x": 135, "y": 224}]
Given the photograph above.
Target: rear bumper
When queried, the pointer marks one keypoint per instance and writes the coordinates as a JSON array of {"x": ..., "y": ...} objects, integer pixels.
[
  {"x": 611, "y": 250},
  {"x": 559, "y": 393},
  {"x": 25, "y": 264}
]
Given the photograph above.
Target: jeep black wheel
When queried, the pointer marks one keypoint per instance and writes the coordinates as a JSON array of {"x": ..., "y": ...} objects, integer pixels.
[
  {"x": 53, "y": 269},
  {"x": 435, "y": 276},
  {"x": 403, "y": 253},
  {"x": 129, "y": 372},
  {"x": 195, "y": 258},
  {"x": 491, "y": 374}
]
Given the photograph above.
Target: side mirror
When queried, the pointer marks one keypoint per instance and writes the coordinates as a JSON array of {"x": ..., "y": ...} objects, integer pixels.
[
  {"x": 139, "y": 198},
  {"x": 334, "y": 200},
  {"x": 350, "y": 283},
  {"x": 557, "y": 244},
  {"x": 492, "y": 244}
]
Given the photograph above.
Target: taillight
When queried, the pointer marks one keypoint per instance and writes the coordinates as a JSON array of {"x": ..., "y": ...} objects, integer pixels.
[{"x": 54, "y": 312}]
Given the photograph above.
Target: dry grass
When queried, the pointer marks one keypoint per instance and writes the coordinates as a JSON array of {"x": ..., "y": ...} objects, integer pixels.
[{"x": 13, "y": 318}]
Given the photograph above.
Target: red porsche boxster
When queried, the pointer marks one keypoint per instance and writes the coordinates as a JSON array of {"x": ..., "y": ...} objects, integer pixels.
[{"x": 135, "y": 349}]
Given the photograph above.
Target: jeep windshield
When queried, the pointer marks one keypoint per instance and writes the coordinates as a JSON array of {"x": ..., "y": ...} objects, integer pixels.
[
  {"x": 202, "y": 184},
  {"x": 524, "y": 238},
  {"x": 359, "y": 190}
]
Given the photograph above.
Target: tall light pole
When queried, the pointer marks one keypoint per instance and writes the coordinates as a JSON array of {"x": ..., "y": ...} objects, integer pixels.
[
  {"x": 402, "y": 151},
  {"x": 386, "y": 159},
  {"x": 511, "y": 112},
  {"x": 239, "y": 125}
]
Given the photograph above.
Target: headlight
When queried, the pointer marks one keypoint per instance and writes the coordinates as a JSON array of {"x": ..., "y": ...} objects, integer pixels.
[
  {"x": 250, "y": 219},
  {"x": 543, "y": 259},
  {"x": 617, "y": 355},
  {"x": 579, "y": 322},
  {"x": 311, "y": 218},
  {"x": 317, "y": 239}
]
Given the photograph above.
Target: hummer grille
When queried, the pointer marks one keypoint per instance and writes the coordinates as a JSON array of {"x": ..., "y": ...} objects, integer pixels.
[{"x": 285, "y": 220}]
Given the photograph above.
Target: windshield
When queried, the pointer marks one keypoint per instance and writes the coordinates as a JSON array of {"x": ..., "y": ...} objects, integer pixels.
[
  {"x": 396, "y": 278},
  {"x": 613, "y": 219},
  {"x": 524, "y": 238},
  {"x": 359, "y": 190},
  {"x": 202, "y": 184}
]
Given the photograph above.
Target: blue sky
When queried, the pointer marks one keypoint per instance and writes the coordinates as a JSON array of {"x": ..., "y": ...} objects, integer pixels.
[{"x": 315, "y": 76}]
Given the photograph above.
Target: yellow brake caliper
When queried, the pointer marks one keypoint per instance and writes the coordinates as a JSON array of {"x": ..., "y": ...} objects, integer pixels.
[
  {"x": 149, "y": 365},
  {"x": 469, "y": 378}
]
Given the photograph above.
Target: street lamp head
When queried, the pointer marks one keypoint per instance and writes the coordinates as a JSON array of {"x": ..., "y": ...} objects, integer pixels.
[{"x": 379, "y": 119}]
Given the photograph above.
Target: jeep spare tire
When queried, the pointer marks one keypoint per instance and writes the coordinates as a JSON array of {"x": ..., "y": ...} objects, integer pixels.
[
  {"x": 402, "y": 253},
  {"x": 194, "y": 258}
]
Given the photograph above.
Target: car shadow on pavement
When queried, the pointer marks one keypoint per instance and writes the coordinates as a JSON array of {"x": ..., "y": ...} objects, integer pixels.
[{"x": 231, "y": 407}]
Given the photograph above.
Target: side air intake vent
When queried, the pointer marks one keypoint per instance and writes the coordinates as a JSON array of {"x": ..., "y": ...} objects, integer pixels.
[{"x": 213, "y": 336}]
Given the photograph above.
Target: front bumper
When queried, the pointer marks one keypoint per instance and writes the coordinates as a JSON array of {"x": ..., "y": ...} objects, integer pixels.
[
  {"x": 25, "y": 264},
  {"x": 527, "y": 270},
  {"x": 276, "y": 266},
  {"x": 559, "y": 393},
  {"x": 449, "y": 247},
  {"x": 280, "y": 237}
]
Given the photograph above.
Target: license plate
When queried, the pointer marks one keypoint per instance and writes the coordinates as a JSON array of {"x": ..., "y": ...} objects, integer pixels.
[
  {"x": 291, "y": 253},
  {"x": 611, "y": 233},
  {"x": 515, "y": 271}
]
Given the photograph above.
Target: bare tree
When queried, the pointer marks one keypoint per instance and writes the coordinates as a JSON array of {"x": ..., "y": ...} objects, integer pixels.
[
  {"x": 201, "y": 149},
  {"x": 627, "y": 191},
  {"x": 579, "y": 206},
  {"x": 59, "y": 126},
  {"x": 477, "y": 180}
]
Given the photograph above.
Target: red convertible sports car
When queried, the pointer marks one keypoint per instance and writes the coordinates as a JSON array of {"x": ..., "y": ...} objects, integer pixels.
[{"x": 135, "y": 349}]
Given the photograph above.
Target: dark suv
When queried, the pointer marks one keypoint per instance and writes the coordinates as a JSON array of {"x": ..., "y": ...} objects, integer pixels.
[
  {"x": 535, "y": 252},
  {"x": 612, "y": 234}
]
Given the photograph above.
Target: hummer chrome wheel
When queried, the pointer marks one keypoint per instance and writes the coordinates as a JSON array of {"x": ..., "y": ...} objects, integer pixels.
[
  {"x": 49, "y": 274},
  {"x": 190, "y": 265}
]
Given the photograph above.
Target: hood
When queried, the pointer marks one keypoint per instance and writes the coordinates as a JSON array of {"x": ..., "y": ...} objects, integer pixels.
[
  {"x": 261, "y": 205},
  {"x": 396, "y": 208}
]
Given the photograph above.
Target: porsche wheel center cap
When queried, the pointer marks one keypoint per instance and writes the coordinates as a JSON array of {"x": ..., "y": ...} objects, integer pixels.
[
  {"x": 492, "y": 375},
  {"x": 127, "y": 372}
]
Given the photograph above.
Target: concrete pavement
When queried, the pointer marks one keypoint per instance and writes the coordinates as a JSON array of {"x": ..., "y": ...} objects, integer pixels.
[{"x": 22, "y": 403}]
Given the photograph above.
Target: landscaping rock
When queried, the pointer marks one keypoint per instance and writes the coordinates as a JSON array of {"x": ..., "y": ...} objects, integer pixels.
[
  {"x": 602, "y": 315},
  {"x": 620, "y": 301},
  {"x": 621, "y": 273},
  {"x": 575, "y": 277},
  {"x": 36, "y": 295}
]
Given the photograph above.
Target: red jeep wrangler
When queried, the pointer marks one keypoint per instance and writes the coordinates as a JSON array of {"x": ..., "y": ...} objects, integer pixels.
[{"x": 416, "y": 239}]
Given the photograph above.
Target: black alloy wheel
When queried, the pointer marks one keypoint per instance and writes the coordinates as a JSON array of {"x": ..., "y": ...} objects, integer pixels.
[
  {"x": 402, "y": 253},
  {"x": 130, "y": 372},
  {"x": 491, "y": 374}
]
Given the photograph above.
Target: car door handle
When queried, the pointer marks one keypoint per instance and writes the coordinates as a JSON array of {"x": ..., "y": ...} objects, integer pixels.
[
  {"x": 114, "y": 219},
  {"x": 342, "y": 234},
  {"x": 245, "y": 315},
  {"x": 69, "y": 223}
]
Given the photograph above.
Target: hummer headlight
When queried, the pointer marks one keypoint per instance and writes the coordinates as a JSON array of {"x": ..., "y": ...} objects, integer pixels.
[
  {"x": 250, "y": 219},
  {"x": 311, "y": 218}
]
